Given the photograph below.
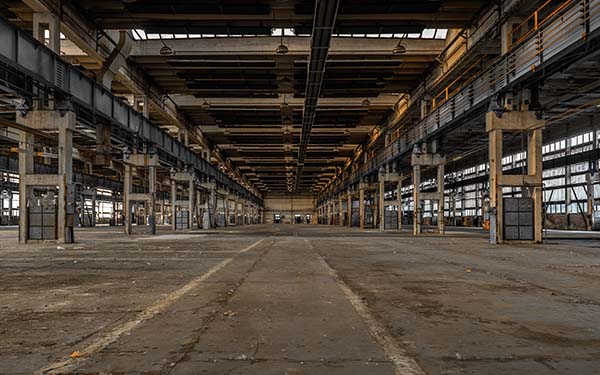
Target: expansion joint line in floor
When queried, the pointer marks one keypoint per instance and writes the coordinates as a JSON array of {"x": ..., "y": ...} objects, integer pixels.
[
  {"x": 403, "y": 363},
  {"x": 191, "y": 344},
  {"x": 153, "y": 310}
]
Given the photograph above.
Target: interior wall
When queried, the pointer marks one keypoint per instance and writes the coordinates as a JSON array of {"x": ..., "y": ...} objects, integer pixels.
[{"x": 287, "y": 207}]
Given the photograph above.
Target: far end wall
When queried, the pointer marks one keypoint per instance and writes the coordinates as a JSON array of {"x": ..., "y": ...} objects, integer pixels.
[{"x": 287, "y": 207}]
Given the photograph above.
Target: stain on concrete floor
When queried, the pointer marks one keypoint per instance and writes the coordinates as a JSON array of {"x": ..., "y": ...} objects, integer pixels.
[{"x": 453, "y": 304}]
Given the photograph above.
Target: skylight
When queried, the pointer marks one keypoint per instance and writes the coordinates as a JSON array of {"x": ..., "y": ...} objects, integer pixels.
[{"x": 139, "y": 34}]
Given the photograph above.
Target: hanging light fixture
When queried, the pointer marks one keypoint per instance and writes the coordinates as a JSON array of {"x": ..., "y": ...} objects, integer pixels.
[
  {"x": 205, "y": 104},
  {"x": 400, "y": 49},
  {"x": 165, "y": 50},
  {"x": 282, "y": 49},
  {"x": 366, "y": 102}
]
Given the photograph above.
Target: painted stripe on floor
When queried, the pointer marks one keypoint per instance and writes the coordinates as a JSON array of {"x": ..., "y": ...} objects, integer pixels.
[
  {"x": 159, "y": 306},
  {"x": 404, "y": 364}
]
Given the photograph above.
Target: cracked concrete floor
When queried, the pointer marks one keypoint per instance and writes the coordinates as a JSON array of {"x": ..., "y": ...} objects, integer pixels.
[{"x": 297, "y": 300}]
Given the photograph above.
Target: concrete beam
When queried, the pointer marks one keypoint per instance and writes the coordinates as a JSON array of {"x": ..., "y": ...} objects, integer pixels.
[{"x": 299, "y": 46}]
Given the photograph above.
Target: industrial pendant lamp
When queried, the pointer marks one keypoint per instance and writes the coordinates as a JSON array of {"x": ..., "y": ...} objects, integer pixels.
[
  {"x": 282, "y": 49},
  {"x": 400, "y": 49},
  {"x": 165, "y": 50}
]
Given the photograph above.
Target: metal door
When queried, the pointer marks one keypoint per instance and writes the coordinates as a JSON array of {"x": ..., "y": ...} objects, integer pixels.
[
  {"x": 518, "y": 219},
  {"x": 391, "y": 217},
  {"x": 42, "y": 217},
  {"x": 181, "y": 220}
]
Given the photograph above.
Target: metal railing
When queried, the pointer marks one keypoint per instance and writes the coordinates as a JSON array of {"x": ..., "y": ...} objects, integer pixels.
[
  {"x": 23, "y": 53},
  {"x": 559, "y": 32}
]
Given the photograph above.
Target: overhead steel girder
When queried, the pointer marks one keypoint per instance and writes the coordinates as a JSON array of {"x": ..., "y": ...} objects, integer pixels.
[
  {"x": 323, "y": 23},
  {"x": 25, "y": 54}
]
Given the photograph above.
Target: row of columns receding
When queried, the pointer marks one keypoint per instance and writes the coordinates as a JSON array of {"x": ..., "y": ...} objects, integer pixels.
[
  {"x": 51, "y": 216},
  {"x": 521, "y": 222}
]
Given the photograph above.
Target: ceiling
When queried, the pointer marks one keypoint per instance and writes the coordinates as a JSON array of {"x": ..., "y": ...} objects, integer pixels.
[{"x": 224, "y": 73}]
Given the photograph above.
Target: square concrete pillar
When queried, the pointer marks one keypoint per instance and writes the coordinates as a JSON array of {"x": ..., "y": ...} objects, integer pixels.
[
  {"x": 417, "y": 200},
  {"x": 427, "y": 159},
  {"x": 349, "y": 208},
  {"x": 399, "y": 203},
  {"x": 62, "y": 123},
  {"x": 530, "y": 184},
  {"x": 361, "y": 207},
  {"x": 340, "y": 211},
  {"x": 173, "y": 205},
  {"x": 144, "y": 162},
  {"x": 381, "y": 204}
]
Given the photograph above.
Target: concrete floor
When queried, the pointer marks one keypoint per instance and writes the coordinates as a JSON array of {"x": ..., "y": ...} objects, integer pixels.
[{"x": 298, "y": 300}]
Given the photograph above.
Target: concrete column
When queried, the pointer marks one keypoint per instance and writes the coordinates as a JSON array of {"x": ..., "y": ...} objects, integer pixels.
[
  {"x": 399, "y": 203},
  {"x": 227, "y": 209},
  {"x": 237, "y": 214},
  {"x": 43, "y": 21},
  {"x": 244, "y": 212},
  {"x": 535, "y": 169},
  {"x": 567, "y": 188},
  {"x": 381, "y": 204},
  {"x": 198, "y": 209},
  {"x": 361, "y": 207},
  {"x": 103, "y": 147},
  {"x": 173, "y": 205},
  {"x": 213, "y": 203},
  {"x": 495, "y": 154},
  {"x": 63, "y": 124},
  {"x": 590, "y": 200},
  {"x": 191, "y": 194},
  {"x": 26, "y": 167},
  {"x": 349, "y": 208},
  {"x": 151, "y": 202},
  {"x": 127, "y": 189},
  {"x": 417, "y": 199},
  {"x": 93, "y": 223},
  {"x": 66, "y": 201},
  {"x": 340, "y": 211},
  {"x": 164, "y": 210},
  {"x": 375, "y": 208},
  {"x": 515, "y": 121},
  {"x": 441, "y": 199}
]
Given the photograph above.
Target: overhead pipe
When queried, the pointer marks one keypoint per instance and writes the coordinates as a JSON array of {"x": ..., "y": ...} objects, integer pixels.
[{"x": 320, "y": 40}]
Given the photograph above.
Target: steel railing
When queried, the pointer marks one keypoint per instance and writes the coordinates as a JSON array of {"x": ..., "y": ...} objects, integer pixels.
[{"x": 555, "y": 33}]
